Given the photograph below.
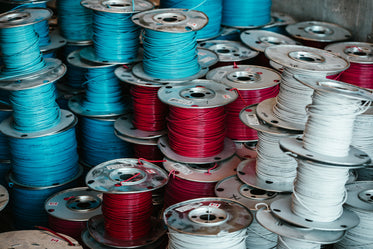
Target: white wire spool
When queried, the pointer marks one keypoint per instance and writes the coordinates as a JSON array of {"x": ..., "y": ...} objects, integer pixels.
[
  {"x": 295, "y": 237},
  {"x": 207, "y": 223},
  {"x": 328, "y": 134},
  {"x": 360, "y": 201},
  {"x": 288, "y": 110}
]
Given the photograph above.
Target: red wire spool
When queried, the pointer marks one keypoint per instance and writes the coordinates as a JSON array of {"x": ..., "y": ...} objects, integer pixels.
[
  {"x": 196, "y": 119},
  {"x": 69, "y": 210},
  {"x": 127, "y": 216},
  {"x": 360, "y": 56},
  {"x": 253, "y": 84},
  {"x": 149, "y": 112},
  {"x": 150, "y": 152}
]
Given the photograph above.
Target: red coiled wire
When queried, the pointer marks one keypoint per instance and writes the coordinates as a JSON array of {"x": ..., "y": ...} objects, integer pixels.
[
  {"x": 236, "y": 129},
  {"x": 149, "y": 112},
  {"x": 178, "y": 190},
  {"x": 73, "y": 229},
  {"x": 150, "y": 152},
  {"x": 127, "y": 216},
  {"x": 359, "y": 75},
  {"x": 196, "y": 132}
]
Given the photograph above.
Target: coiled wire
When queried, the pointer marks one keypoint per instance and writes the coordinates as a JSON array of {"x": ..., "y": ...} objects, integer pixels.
[
  {"x": 4, "y": 144},
  {"x": 170, "y": 55},
  {"x": 288, "y": 243}
]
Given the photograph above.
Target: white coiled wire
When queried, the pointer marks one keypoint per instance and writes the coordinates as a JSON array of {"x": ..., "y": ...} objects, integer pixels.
[
  {"x": 288, "y": 243},
  {"x": 361, "y": 236},
  {"x": 258, "y": 237},
  {"x": 329, "y": 127},
  {"x": 272, "y": 163},
  {"x": 319, "y": 191},
  {"x": 224, "y": 240}
]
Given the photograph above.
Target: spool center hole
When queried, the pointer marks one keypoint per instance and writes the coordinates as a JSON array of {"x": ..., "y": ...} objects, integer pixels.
[
  {"x": 258, "y": 191},
  {"x": 121, "y": 5},
  {"x": 198, "y": 95},
  {"x": 208, "y": 217},
  {"x": 309, "y": 59},
  {"x": 126, "y": 176},
  {"x": 245, "y": 78},
  {"x": 83, "y": 205},
  {"x": 223, "y": 51},
  {"x": 170, "y": 19}
]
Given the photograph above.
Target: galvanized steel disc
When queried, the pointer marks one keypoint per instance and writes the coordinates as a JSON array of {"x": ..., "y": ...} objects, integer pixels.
[
  {"x": 360, "y": 195},
  {"x": 117, "y": 6},
  {"x": 35, "y": 239},
  {"x": 245, "y": 77},
  {"x": 56, "y": 41},
  {"x": 4, "y": 197},
  {"x": 126, "y": 75},
  {"x": 318, "y": 31},
  {"x": 281, "y": 19},
  {"x": 24, "y": 17},
  {"x": 259, "y": 40},
  {"x": 246, "y": 172},
  {"x": 234, "y": 189},
  {"x": 229, "y": 51},
  {"x": 133, "y": 140},
  {"x": 171, "y": 20},
  {"x": 282, "y": 209},
  {"x": 197, "y": 94},
  {"x": 203, "y": 173},
  {"x": 282, "y": 228},
  {"x": 75, "y": 59},
  {"x": 306, "y": 59},
  {"x": 207, "y": 216},
  {"x": 77, "y": 204},
  {"x": 356, "y": 52},
  {"x": 88, "y": 53},
  {"x": 110, "y": 177}
]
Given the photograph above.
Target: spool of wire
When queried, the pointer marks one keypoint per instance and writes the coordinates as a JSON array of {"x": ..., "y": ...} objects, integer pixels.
[
  {"x": 317, "y": 34},
  {"x": 127, "y": 202},
  {"x": 44, "y": 238},
  {"x": 98, "y": 142},
  {"x": 164, "y": 58},
  {"x": 253, "y": 85},
  {"x": 212, "y": 9},
  {"x": 103, "y": 94},
  {"x": 190, "y": 181},
  {"x": 207, "y": 223},
  {"x": 279, "y": 22},
  {"x": 246, "y": 13},
  {"x": 294, "y": 237},
  {"x": 259, "y": 40},
  {"x": 115, "y": 36},
  {"x": 230, "y": 52},
  {"x": 288, "y": 109},
  {"x": 75, "y": 21},
  {"x": 272, "y": 169},
  {"x": 69, "y": 210},
  {"x": 252, "y": 198},
  {"x": 5, "y": 112},
  {"x": 27, "y": 203},
  {"x": 196, "y": 121},
  {"x": 360, "y": 56},
  {"x": 359, "y": 201},
  {"x": 246, "y": 150}
]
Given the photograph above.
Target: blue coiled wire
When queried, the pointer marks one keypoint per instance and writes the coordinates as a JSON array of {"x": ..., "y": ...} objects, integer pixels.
[
  {"x": 35, "y": 109},
  {"x": 74, "y": 20},
  {"x": 4, "y": 146},
  {"x": 20, "y": 51},
  {"x": 45, "y": 161},
  {"x": 103, "y": 91},
  {"x": 75, "y": 76},
  {"x": 240, "y": 13},
  {"x": 27, "y": 205},
  {"x": 99, "y": 143},
  {"x": 212, "y": 8},
  {"x": 115, "y": 36},
  {"x": 170, "y": 55}
]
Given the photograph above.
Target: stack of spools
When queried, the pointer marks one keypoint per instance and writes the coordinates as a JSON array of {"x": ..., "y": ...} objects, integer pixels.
[
  {"x": 126, "y": 220},
  {"x": 360, "y": 56},
  {"x": 42, "y": 140},
  {"x": 324, "y": 157},
  {"x": 317, "y": 34},
  {"x": 253, "y": 85},
  {"x": 196, "y": 140}
]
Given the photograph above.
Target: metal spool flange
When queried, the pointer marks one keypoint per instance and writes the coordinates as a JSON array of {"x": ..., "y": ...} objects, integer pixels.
[
  {"x": 56, "y": 41},
  {"x": 246, "y": 150},
  {"x": 88, "y": 53},
  {"x": 75, "y": 59},
  {"x": 24, "y": 17},
  {"x": 356, "y": 52},
  {"x": 360, "y": 196},
  {"x": 117, "y": 6},
  {"x": 4, "y": 197},
  {"x": 133, "y": 140}
]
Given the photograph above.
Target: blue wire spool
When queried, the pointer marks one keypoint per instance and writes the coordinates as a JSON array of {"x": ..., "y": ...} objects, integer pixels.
[
  {"x": 4, "y": 146},
  {"x": 35, "y": 109},
  {"x": 27, "y": 203},
  {"x": 115, "y": 36},
  {"x": 75, "y": 21},
  {"x": 246, "y": 13},
  {"x": 212, "y": 8},
  {"x": 45, "y": 161},
  {"x": 98, "y": 142},
  {"x": 103, "y": 96}
]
